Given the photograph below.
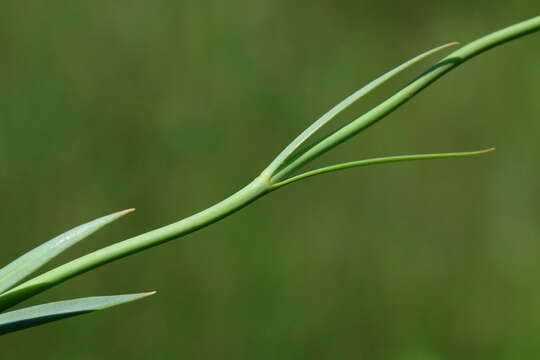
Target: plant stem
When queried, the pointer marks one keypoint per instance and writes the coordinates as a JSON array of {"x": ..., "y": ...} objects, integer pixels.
[
  {"x": 235, "y": 202},
  {"x": 262, "y": 184},
  {"x": 392, "y": 103}
]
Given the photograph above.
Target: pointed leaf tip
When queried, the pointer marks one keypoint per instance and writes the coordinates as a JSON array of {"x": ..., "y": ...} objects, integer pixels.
[
  {"x": 128, "y": 211},
  {"x": 485, "y": 151},
  {"x": 450, "y": 44},
  {"x": 41, "y": 314},
  {"x": 26, "y": 264}
]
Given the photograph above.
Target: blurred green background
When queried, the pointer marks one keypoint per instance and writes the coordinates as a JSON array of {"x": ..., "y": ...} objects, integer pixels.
[{"x": 169, "y": 106}]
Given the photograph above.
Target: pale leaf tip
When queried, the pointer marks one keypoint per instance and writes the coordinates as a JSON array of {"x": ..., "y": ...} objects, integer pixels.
[
  {"x": 450, "y": 44},
  {"x": 485, "y": 151}
]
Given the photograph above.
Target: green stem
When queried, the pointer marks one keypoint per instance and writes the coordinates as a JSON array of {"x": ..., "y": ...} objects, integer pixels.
[
  {"x": 235, "y": 202},
  {"x": 261, "y": 185},
  {"x": 442, "y": 67}
]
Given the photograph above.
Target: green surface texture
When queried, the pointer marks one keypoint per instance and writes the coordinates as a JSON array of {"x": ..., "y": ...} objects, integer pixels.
[{"x": 171, "y": 106}]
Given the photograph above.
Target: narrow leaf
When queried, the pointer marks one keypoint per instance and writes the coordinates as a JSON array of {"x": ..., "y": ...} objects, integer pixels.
[
  {"x": 284, "y": 155},
  {"x": 382, "y": 160},
  {"x": 25, "y": 265},
  {"x": 41, "y": 314}
]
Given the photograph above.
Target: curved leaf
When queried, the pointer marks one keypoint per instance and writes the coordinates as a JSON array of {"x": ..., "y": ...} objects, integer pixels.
[
  {"x": 41, "y": 314},
  {"x": 332, "y": 113},
  {"x": 383, "y": 160},
  {"x": 25, "y": 265}
]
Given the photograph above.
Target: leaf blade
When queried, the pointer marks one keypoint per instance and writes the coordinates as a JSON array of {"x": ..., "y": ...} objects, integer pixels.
[
  {"x": 31, "y": 261},
  {"x": 344, "y": 104},
  {"x": 41, "y": 314},
  {"x": 382, "y": 160}
]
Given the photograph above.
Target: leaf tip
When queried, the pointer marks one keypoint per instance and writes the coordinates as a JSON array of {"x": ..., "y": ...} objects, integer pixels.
[
  {"x": 122, "y": 213},
  {"x": 453, "y": 43},
  {"x": 450, "y": 44},
  {"x": 485, "y": 151}
]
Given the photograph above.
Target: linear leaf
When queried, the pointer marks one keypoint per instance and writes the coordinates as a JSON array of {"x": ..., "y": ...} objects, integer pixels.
[
  {"x": 41, "y": 314},
  {"x": 284, "y": 155},
  {"x": 259, "y": 186},
  {"x": 429, "y": 76},
  {"x": 25, "y": 265},
  {"x": 375, "y": 161}
]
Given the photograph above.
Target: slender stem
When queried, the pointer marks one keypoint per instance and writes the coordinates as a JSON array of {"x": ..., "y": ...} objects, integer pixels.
[
  {"x": 235, "y": 202},
  {"x": 261, "y": 185},
  {"x": 442, "y": 67}
]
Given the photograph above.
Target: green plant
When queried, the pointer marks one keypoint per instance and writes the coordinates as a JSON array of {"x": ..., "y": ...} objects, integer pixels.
[{"x": 281, "y": 171}]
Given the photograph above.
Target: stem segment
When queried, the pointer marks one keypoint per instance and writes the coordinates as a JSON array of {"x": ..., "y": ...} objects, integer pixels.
[
  {"x": 261, "y": 185},
  {"x": 235, "y": 202},
  {"x": 439, "y": 69}
]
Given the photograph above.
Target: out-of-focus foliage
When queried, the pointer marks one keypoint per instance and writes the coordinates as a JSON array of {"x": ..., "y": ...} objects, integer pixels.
[{"x": 160, "y": 105}]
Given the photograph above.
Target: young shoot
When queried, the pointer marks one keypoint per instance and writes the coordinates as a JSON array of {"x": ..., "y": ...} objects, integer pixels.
[{"x": 280, "y": 172}]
